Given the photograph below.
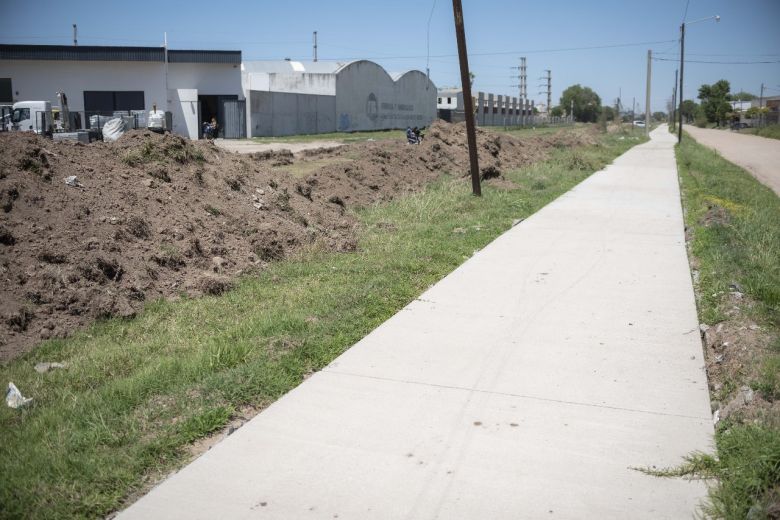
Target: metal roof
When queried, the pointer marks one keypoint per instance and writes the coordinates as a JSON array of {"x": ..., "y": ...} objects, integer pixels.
[
  {"x": 105, "y": 53},
  {"x": 231, "y": 57},
  {"x": 398, "y": 75}
]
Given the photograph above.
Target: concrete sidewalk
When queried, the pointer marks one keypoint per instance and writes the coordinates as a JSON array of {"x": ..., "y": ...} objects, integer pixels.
[{"x": 526, "y": 384}]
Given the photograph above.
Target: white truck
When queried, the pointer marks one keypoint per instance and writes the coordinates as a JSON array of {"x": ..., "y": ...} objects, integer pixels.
[{"x": 32, "y": 116}]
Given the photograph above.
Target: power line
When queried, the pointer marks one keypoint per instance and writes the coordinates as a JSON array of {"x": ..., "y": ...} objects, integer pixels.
[
  {"x": 428, "y": 56},
  {"x": 685, "y": 14},
  {"x": 720, "y": 62},
  {"x": 666, "y": 50},
  {"x": 723, "y": 55},
  {"x": 428, "y": 42},
  {"x": 536, "y": 51}
]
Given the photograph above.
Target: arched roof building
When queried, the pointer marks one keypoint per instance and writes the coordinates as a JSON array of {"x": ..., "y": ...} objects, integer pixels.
[{"x": 292, "y": 97}]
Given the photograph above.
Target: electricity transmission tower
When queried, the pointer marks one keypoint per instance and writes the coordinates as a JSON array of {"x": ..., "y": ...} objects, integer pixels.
[{"x": 548, "y": 85}]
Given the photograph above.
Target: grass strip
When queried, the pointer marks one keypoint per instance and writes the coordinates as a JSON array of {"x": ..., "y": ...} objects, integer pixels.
[
  {"x": 137, "y": 393},
  {"x": 770, "y": 131},
  {"x": 733, "y": 221}
]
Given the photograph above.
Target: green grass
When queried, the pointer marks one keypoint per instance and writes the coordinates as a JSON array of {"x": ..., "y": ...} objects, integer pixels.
[
  {"x": 345, "y": 137},
  {"x": 745, "y": 248},
  {"x": 530, "y": 131},
  {"x": 748, "y": 460},
  {"x": 742, "y": 245},
  {"x": 138, "y": 392},
  {"x": 771, "y": 131}
]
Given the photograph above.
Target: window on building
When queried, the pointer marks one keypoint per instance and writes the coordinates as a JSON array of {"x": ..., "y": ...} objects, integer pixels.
[
  {"x": 6, "y": 92},
  {"x": 449, "y": 100},
  {"x": 439, "y": 101},
  {"x": 106, "y": 102}
]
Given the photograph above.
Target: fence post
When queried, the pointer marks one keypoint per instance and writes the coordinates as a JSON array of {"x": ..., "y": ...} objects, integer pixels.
[{"x": 481, "y": 108}]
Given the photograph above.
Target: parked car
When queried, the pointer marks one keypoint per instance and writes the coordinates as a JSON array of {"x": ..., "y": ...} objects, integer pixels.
[
  {"x": 639, "y": 123},
  {"x": 739, "y": 125}
]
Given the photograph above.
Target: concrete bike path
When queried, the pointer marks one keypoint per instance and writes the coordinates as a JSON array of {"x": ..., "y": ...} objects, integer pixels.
[{"x": 529, "y": 383}]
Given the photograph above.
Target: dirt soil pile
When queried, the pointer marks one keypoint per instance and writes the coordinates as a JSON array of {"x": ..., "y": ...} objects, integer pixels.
[{"x": 90, "y": 231}]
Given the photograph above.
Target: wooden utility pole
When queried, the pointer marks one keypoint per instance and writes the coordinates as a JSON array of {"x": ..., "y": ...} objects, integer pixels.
[
  {"x": 674, "y": 103},
  {"x": 761, "y": 107},
  {"x": 647, "y": 92},
  {"x": 468, "y": 102},
  {"x": 680, "y": 92}
]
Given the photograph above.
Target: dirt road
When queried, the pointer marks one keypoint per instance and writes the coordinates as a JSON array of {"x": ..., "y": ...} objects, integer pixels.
[
  {"x": 758, "y": 155},
  {"x": 249, "y": 146}
]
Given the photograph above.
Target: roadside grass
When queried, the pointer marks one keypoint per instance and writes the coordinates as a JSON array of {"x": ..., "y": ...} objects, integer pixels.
[
  {"x": 529, "y": 131},
  {"x": 344, "y": 137},
  {"x": 770, "y": 131},
  {"x": 736, "y": 239},
  {"x": 136, "y": 393}
]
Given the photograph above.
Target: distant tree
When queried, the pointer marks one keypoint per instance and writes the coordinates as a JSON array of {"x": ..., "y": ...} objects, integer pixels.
[
  {"x": 659, "y": 116},
  {"x": 609, "y": 113},
  {"x": 743, "y": 96},
  {"x": 715, "y": 101},
  {"x": 689, "y": 110},
  {"x": 556, "y": 111},
  {"x": 754, "y": 112},
  {"x": 587, "y": 104}
]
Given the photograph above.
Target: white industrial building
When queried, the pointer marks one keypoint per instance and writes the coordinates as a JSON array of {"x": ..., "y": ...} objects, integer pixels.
[
  {"x": 292, "y": 97},
  {"x": 285, "y": 97},
  {"x": 194, "y": 85}
]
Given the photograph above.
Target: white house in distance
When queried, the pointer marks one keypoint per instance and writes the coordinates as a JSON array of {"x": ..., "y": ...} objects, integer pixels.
[
  {"x": 741, "y": 106},
  {"x": 291, "y": 97},
  {"x": 449, "y": 99},
  {"x": 194, "y": 85}
]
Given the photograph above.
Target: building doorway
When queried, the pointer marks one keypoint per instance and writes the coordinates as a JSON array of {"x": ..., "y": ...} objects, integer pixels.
[{"x": 212, "y": 106}]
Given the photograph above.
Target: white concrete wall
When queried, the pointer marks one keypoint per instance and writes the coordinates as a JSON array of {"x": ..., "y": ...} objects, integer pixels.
[
  {"x": 184, "y": 107},
  {"x": 283, "y": 113},
  {"x": 38, "y": 80},
  {"x": 208, "y": 78},
  {"x": 315, "y": 84}
]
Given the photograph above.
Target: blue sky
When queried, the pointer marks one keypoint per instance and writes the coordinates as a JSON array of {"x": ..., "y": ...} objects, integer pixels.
[{"x": 395, "y": 34}]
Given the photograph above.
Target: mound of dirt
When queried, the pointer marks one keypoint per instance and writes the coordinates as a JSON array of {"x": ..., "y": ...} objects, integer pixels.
[{"x": 151, "y": 216}]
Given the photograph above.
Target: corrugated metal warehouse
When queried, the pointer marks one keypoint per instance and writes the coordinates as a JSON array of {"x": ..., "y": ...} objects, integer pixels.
[{"x": 291, "y": 97}]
